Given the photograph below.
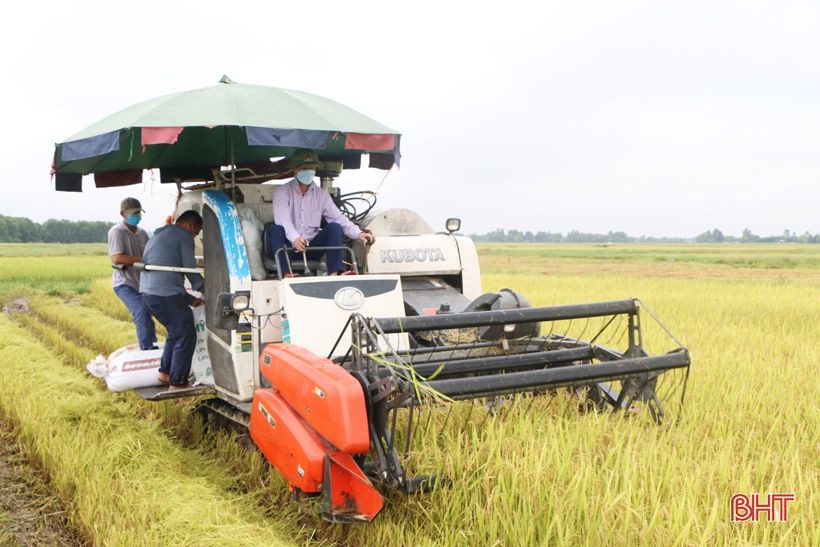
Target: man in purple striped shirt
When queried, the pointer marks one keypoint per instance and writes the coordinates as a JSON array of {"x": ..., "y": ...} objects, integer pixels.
[{"x": 298, "y": 209}]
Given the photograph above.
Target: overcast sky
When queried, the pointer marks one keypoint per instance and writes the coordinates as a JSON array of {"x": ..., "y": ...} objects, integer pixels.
[{"x": 648, "y": 117}]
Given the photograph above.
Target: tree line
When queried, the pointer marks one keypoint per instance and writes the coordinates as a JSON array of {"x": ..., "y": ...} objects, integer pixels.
[
  {"x": 709, "y": 236},
  {"x": 24, "y": 230},
  {"x": 716, "y": 236}
]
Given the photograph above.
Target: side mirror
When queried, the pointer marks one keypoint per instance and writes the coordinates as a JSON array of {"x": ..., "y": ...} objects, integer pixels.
[{"x": 453, "y": 225}]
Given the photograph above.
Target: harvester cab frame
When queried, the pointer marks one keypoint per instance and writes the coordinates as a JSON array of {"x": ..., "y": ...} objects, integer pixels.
[{"x": 331, "y": 374}]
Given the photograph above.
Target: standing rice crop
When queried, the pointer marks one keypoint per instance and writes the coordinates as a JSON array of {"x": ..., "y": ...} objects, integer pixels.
[{"x": 124, "y": 483}]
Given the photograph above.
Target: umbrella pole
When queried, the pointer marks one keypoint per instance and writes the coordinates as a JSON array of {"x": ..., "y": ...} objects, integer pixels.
[{"x": 233, "y": 164}]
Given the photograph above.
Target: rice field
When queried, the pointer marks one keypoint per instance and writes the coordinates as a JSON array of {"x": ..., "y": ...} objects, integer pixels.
[{"x": 539, "y": 473}]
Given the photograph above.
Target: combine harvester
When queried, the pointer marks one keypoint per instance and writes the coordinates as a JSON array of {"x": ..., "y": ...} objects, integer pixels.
[{"x": 331, "y": 374}]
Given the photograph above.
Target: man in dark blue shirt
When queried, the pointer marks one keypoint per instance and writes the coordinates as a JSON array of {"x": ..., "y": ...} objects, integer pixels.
[{"x": 165, "y": 296}]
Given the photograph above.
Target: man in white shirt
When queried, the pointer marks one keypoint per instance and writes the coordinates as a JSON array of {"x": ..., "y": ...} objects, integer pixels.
[{"x": 298, "y": 209}]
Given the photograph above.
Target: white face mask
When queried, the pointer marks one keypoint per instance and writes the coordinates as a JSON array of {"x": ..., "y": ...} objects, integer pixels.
[{"x": 305, "y": 176}]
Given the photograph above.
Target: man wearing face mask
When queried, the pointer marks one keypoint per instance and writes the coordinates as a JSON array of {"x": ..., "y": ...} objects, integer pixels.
[
  {"x": 165, "y": 295},
  {"x": 298, "y": 209},
  {"x": 126, "y": 244}
]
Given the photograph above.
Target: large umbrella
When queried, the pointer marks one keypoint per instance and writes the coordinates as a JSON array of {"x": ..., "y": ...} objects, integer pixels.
[{"x": 227, "y": 124}]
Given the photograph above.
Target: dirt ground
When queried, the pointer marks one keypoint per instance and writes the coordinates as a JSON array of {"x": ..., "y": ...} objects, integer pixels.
[{"x": 30, "y": 514}]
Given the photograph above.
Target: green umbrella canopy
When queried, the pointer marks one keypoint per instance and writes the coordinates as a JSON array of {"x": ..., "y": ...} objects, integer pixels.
[{"x": 225, "y": 124}]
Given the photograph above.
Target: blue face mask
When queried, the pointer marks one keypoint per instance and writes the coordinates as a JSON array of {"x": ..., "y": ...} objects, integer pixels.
[
  {"x": 133, "y": 220},
  {"x": 306, "y": 176}
]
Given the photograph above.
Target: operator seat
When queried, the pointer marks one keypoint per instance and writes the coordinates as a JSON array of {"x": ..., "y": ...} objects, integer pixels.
[{"x": 297, "y": 264}]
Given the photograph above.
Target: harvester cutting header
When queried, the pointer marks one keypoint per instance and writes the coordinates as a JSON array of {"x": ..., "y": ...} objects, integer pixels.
[{"x": 331, "y": 374}]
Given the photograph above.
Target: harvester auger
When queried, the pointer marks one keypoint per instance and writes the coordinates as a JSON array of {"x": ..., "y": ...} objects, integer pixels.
[{"x": 357, "y": 414}]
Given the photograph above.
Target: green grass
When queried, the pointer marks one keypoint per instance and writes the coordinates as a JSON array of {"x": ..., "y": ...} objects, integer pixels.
[
  {"x": 52, "y": 273},
  {"x": 52, "y": 267},
  {"x": 53, "y": 249}
]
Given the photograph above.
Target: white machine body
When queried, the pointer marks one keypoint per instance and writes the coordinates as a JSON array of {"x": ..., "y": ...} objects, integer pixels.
[
  {"x": 318, "y": 308},
  {"x": 410, "y": 267}
]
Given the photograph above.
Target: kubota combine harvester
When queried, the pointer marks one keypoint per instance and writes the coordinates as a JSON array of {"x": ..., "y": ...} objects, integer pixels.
[{"x": 331, "y": 374}]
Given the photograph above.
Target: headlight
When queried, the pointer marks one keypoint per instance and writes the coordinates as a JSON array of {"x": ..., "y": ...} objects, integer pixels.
[
  {"x": 233, "y": 303},
  {"x": 241, "y": 300},
  {"x": 453, "y": 225}
]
